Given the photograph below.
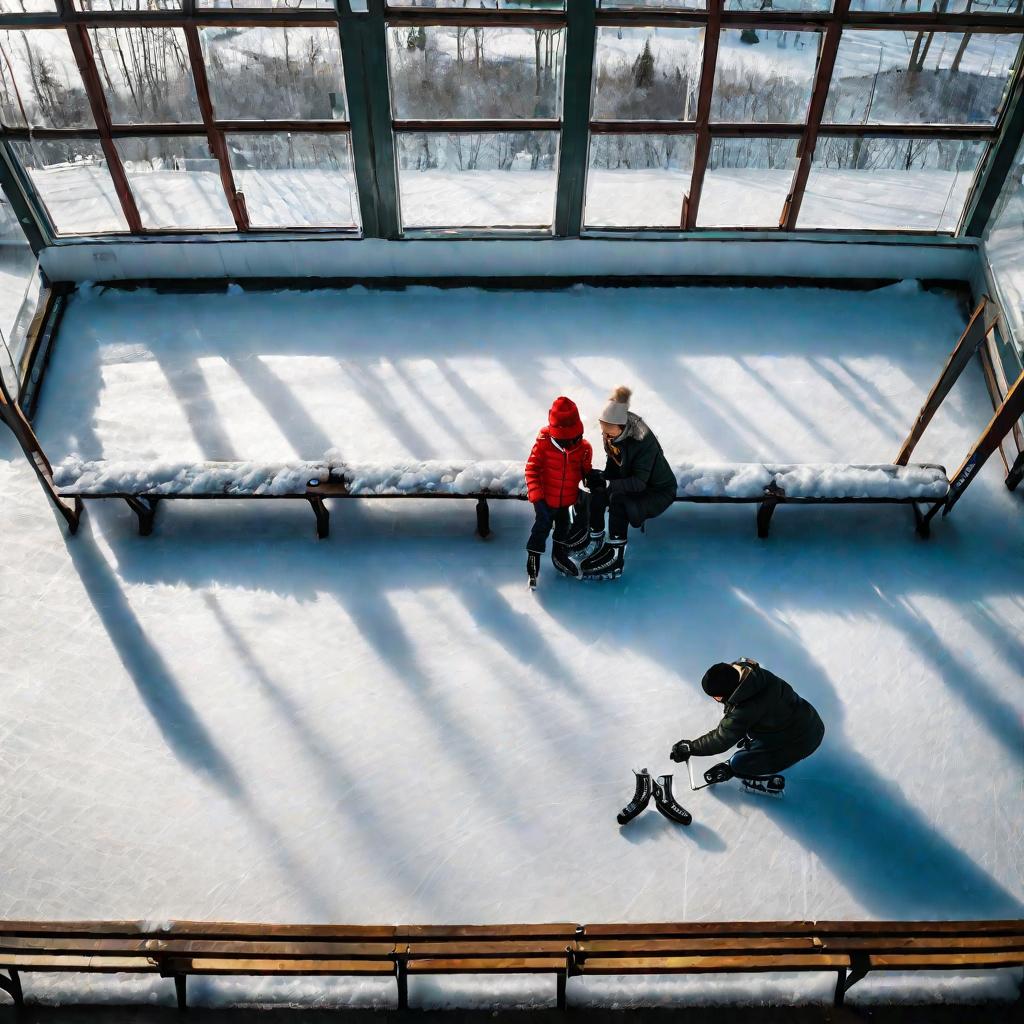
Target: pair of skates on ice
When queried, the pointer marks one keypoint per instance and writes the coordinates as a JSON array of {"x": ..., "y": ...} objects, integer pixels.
[
  {"x": 583, "y": 555},
  {"x": 664, "y": 799}
]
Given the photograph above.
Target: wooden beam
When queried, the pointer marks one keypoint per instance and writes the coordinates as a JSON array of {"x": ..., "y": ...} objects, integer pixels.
[
  {"x": 702, "y": 146},
  {"x": 970, "y": 341},
  {"x": 999, "y": 426}
]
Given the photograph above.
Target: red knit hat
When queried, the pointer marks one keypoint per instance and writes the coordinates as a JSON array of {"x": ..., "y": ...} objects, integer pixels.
[{"x": 564, "y": 419}]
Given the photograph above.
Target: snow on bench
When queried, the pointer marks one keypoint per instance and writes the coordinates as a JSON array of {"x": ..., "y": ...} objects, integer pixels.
[{"x": 143, "y": 484}]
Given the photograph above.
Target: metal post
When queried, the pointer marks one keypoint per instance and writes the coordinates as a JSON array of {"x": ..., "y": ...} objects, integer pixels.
[
  {"x": 702, "y": 149},
  {"x": 572, "y": 155},
  {"x": 816, "y": 109}
]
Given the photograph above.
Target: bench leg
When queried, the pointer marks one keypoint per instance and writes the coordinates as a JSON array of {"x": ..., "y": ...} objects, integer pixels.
[
  {"x": 145, "y": 509},
  {"x": 483, "y": 518},
  {"x": 859, "y": 967},
  {"x": 1016, "y": 472},
  {"x": 764, "y": 517},
  {"x": 180, "y": 990},
  {"x": 12, "y": 986},
  {"x": 402, "y": 977},
  {"x": 323, "y": 517},
  {"x": 560, "y": 980},
  {"x": 72, "y": 513},
  {"x": 923, "y": 520}
]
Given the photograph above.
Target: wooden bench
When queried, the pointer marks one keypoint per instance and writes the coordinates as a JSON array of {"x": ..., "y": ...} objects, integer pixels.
[{"x": 143, "y": 487}]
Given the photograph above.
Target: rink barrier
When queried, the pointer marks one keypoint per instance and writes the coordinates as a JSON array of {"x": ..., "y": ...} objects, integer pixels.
[
  {"x": 143, "y": 486},
  {"x": 177, "y": 950}
]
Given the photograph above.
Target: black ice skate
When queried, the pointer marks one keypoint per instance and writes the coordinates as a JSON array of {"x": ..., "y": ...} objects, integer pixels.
[
  {"x": 532, "y": 568},
  {"x": 718, "y": 773},
  {"x": 772, "y": 785},
  {"x": 666, "y": 802},
  {"x": 605, "y": 564},
  {"x": 641, "y": 798},
  {"x": 562, "y": 562},
  {"x": 586, "y": 545}
]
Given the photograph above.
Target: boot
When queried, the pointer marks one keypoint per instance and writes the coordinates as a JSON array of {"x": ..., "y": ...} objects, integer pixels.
[
  {"x": 562, "y": 562},
  {"x": 666, "y": 802},
  {"x": 587, "y": 545},
  {"x": 718, "y": 773},
  {"x": 641, "y": 798},
  {"x": 773, "y": 785},
  {"x": 532, "y": 568},
  {"x": 606, "y": 563}
]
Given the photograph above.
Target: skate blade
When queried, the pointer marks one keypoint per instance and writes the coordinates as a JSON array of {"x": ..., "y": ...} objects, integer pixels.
[
  {"x": 596, "y": 576},
  {"x": 775, "y": 793}
]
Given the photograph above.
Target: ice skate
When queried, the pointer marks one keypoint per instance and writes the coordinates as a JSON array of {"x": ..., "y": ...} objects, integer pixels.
[
  {"x": 605, "y": 564},
  {"x": 666, "y": 802},
  {"x": 770, "y": 785},
  {"x": 562, "y": 562},
  {"x": 718, "y": 773},
  {"x": 641, "y": 798},
  {"x": 532, "y": 568}
]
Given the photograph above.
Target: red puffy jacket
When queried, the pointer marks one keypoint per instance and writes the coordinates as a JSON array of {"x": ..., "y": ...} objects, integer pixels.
[{"x": 554, "y": 472}]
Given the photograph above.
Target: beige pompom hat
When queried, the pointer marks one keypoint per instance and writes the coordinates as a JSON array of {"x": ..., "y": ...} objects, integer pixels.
[{"x": 617, "y": 409}]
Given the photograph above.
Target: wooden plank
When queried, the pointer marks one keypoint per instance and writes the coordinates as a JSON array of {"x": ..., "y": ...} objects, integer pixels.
[
  {"x": 970, "y": 340},
  {"x": 210, "y": 965},
  {"x": 702, "y": 147},
  {"x": 682, "y": 946},
  {"x": 478, "y": 950},
  {"x": 90, "y": 964},
  {"x": 518, "y": 932},
  {"x": 199, "y": 930},
  {"x": 944, "y": 961},
  {"x": 241, "y": 949},
  {"x": 507, "y": 965},
  {"x": 756, "y": 928},
  {"x": 713, "y": 964}
]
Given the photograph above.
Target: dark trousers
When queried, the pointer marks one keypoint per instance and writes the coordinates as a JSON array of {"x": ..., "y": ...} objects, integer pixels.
[
  {"x": 544, "y": 518},
  {"x": 762, "y": 758},
  {"x": 618, "y": 516}
]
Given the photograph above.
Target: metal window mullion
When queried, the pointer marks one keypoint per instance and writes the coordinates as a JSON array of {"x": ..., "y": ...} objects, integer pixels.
[
  {"x": 702, "y": 146},
  {"x": 580, "y": 42},
  {"x": 815, "y": 112},
  {"x": 33, "y": 221},
  {"x": 998, "y": 162},
  {"x": 214, "y": 135},
  {"x": 78, "y": 36}
]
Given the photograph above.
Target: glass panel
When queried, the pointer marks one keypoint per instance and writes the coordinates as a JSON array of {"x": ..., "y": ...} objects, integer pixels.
[
  {"x": 176, "y": 183},
  {"x": 128, "y": 5},
  {"x": 460, "y": 72},
  {"x": 920, "y": 77},
  {"x": 647, "y": 73},
  {"x": 74, "y": 184},
  {"x": 27, "y": 6},
  {"x": 39, "y": 81},
  {"x": 503, "y": 5},
  {"x": 501, "y": 179},
  {"x": 979, "y": 7},
  {"x": 255, "y": 5},
  {"x": 146, "y": 75},
  {"x": 638, "y": 180},
  {"x": 651, "y": 5},
  {"x": 778, "y": 5},
  {"x": 17, "y": 266},
  {"x": 764, "y": 75},
  {"x": 274, "y": 72},
  {"x": 905, "y": 184},
  {"x": 746, "y": 183},
  {"x": 296, "y": 179},
  {"x": 1004, "y": 246}
]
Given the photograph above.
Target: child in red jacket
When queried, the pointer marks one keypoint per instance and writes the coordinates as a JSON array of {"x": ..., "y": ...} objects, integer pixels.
[{"x": 559, "y": 461}]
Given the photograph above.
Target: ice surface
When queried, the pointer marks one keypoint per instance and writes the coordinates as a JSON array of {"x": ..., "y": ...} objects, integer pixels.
[{"x": 232, "y": 720}]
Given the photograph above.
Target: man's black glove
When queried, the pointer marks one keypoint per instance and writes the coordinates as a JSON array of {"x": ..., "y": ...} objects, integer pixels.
[
  {"x": 681, "y": 751},
  {"x": 595, "y": 480}
]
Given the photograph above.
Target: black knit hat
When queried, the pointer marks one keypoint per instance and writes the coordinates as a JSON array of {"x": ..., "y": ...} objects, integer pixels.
[{"x": 720, "y": 680}]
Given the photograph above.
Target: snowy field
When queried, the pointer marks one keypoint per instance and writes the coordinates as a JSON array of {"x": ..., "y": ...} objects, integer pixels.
[{"x": 233, "y": 721}]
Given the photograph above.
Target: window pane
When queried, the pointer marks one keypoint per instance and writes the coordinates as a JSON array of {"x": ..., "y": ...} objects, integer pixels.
[
  {"x": 764, "y": 75},
  {"x": 778, "y": 5},
  {"x": 27, "y": 6},
  {"x": 298, "y": 179},
  {"x": 651, "y": 5},
  {"x": 128, "y": 5},
  {"x": 979, "y": 7},
  {"x": 39, "y": 81},
  {"x": 647, "y": 73},
  {"x": 176, "y": 183},
  {"x": 250, "y": 5},
  {"x": 1004, "y": 245},
  {"x": 501, "y": 179},
  {"x": 74, "y": 184},
  {"x": 638, "y": 180},
  {"x": 920, "y": 77},
  {"x": 146, "y": 75},
  {"x": 274, "y": 72},
  {"x": 909, "y": 184},
  {"x": 505, "y": 5},
  {"x": 455, "y": 71},
  {"x": 17, "y": 298},
  {"x": 746, "y": 183}
]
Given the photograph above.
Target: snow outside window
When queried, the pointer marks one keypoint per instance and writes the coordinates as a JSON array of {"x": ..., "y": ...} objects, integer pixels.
[
  {"x": 127, "y": 5},
  {"x": 455, "y": 71},
  {"x": 920, "y": 77},
  {"x": 29, "y": 98},
  {"x": 764, "y": 75},
  {"x": 264, "y": 73},
  {"x": 647, "y": 73},
  {"x": 889, "y": 184},
  {"x": 295, "y": 179},
  {"x": 638, "y": 180},
  {"x": 74, "y": 184},
  {"x": 1004, "y": 246},
  {"x": 27, "y": 6},
  {"x": 263, "y": 5},
  {"x": 176, "y": 182},
  {"x": 495, "y": 179},
  {"x": 146, "y": 75},
  {"x": 746, "y": 183},
  {"x": 950, "y": 7}
]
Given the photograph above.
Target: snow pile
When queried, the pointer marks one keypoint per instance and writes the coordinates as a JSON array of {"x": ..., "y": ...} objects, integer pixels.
[
  {"x": 496, "y": 477},
  {"x": 76, "y": 476},
  {"x": 712, "y": 480},
  {"x": 826, "y": 480}
]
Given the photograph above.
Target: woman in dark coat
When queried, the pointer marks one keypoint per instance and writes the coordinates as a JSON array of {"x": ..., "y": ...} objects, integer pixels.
[{"x": 637, "y": 484}]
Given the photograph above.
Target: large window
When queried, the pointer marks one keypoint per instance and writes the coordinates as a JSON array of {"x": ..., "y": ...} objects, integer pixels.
[{"x": 1004, "y": 246}]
